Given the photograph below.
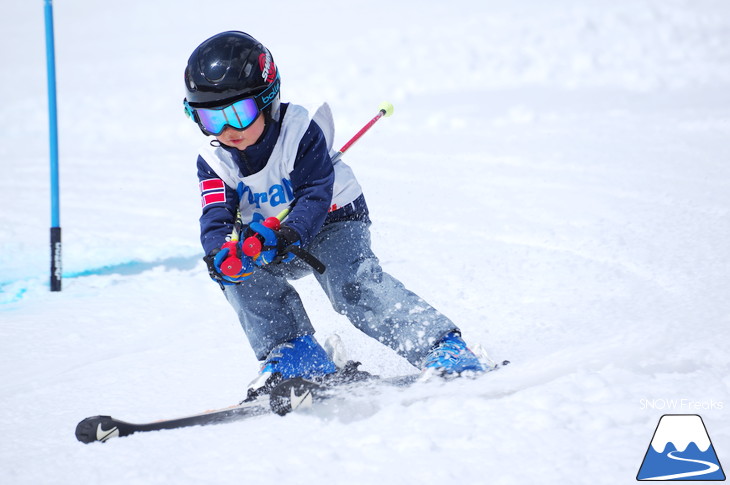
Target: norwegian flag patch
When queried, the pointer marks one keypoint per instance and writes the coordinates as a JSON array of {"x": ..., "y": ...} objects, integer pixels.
[{"x": 212, "y": 191}]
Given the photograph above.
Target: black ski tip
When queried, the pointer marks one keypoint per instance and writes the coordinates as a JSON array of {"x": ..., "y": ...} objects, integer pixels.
[{"x": 96, "y": 428}]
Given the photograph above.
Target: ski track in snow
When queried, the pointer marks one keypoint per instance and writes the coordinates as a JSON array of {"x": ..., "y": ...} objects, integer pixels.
[{"x": 555, "y": 178}]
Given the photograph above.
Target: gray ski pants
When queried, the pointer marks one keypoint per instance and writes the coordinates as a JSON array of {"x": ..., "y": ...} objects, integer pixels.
[{"x": 271, "y": 312}]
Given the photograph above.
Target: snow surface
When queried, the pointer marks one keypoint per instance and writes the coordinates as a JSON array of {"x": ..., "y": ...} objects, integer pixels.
[{"x": 555, "y": 179}]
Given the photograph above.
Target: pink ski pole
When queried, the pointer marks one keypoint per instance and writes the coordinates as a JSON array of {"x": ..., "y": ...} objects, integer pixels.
[{"x": 385, "y": 109}]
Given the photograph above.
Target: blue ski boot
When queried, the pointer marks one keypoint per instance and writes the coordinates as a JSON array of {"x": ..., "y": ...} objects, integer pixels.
[
  {"x": 300, "y": 357},
  {"x": 450, "y": 357}
]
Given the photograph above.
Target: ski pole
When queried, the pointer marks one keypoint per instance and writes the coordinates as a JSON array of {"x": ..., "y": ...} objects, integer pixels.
[
  {"x": 232, "y": 265},
  {"x": 385, "y": 109},
  {"x": 251, "y": 246}
]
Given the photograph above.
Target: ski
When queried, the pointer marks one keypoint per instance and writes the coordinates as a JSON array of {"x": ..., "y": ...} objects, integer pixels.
[
  {"x": 103, "y": 428},
  {"x": 287, "y": 396},
  {"x": 295, "y": 394}
]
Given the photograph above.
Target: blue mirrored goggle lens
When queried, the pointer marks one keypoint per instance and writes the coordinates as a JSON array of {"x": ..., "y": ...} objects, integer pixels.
[{"x": 239, "y": 115}]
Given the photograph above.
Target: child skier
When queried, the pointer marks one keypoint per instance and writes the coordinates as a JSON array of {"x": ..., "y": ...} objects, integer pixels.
[{"x": 267, "y": 156}]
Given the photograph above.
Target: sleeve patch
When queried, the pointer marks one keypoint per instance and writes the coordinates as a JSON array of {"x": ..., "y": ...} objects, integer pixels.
[{"x": 212, "y": 191}]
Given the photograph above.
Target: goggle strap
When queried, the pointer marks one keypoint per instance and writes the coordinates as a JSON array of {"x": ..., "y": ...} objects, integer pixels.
[{"x": 267, "y": 96}]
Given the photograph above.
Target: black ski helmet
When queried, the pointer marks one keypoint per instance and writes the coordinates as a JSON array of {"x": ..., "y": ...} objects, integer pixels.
[{"x": 230, "y": 66}]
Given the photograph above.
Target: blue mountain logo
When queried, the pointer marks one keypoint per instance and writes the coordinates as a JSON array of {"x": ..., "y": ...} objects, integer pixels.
[{"x": 681, "y": 450}]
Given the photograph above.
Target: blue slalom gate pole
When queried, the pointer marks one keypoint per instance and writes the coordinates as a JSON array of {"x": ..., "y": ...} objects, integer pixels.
[{"x": 53, "y": 134}]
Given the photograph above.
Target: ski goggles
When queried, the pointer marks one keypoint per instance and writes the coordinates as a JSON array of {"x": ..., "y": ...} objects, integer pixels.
[{"x": 239, "y": 115}]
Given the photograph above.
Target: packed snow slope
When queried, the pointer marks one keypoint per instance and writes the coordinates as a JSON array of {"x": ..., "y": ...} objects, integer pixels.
[{"x": 555, "y": 178}]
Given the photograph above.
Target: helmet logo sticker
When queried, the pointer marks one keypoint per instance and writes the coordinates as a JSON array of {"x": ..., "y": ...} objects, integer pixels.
[{"x": 268, "y": 68}]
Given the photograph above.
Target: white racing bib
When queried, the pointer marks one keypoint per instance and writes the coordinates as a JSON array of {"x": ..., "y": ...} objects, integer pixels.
[{"x": 269, "y": 191}]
